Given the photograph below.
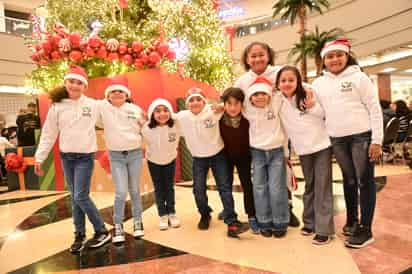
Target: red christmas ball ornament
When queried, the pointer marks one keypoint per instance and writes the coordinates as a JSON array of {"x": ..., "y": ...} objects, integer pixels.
[
  {"x": 55, "y": 41},
  {"x": 35, "y": 56},
  {"x": 75, "y": 56},
  {"x": 163, "y": 48},
  {"x": 171, "y": 55},
  {"x": 64, "y": 45},
  {"x": 43, "y": 62},
  {"x": 112, "y": 44},
  {"x": 123, "y": 48},
  {"x": 144, "y": 58},
  {"x": 113, "y": 56},
  {"x": 95, "y": 42},
  {"x": 129, "y": 50},
  {"x": 102, "y": 52},
  {"x": 83, "y": 44},
  {"x": 37, "y": 47},
  {"x": 137, "y": 46},
  {"x": 90, "y": 52},
  {"x": 55, "y": 55},
  {"x": 154, "y": 57},
  {"x": 74, "y": 39},
  {"x": 127, "y": 59},
  {"x": 138, "y": 64},
  {"x": 46, "y": 46}
]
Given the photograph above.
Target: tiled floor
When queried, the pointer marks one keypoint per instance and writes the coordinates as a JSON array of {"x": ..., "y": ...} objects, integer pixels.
[{"x": 36, "y": 229}]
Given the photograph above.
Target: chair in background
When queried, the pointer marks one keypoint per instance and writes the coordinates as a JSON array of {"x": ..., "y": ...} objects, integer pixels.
[{"x": 389, "y": 139}]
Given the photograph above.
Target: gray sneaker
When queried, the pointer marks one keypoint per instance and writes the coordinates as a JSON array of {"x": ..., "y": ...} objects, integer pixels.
[
  {"x": 138, "y": 229},
  {"x": 118, "y": 234}
]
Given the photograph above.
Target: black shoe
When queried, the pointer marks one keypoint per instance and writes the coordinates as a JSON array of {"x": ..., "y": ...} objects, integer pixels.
[
  {"x": 236, "y": 228},
  {"x": 362, "y": 238},
  {"x": 279, "y": 233},
  {"x": 78, "y": 243},
  {"x": 204, "y": 222},
  {"x": 266, "y": 232},
  {"x": 293, "y": 220},
  {"x": 306, "y": 231},
  {"x": 99, "y": 239},
  {"x": 350, "y": 229},
  {"x": 321, "y": 240}
]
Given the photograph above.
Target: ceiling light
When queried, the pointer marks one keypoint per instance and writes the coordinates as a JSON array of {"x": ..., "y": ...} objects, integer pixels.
[{"x": 408, "y": 70}]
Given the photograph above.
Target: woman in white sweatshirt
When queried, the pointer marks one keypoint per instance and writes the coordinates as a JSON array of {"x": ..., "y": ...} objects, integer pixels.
[
  {"x": 306, "y": 129},
  {"x": 122, "y": 122},
  {"x": 161, "y": 134},
  {"x": 354, "y": 122},
  {"x": 72, "y": 118}
]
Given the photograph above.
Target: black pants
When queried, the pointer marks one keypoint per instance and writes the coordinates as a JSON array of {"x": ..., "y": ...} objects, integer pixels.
[
  {"x": 3, "y": 167},
  {"x": 243, "y": 167}
]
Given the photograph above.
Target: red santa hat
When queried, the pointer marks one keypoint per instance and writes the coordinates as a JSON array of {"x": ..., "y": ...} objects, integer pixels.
[
  {"x": 76, "y": 72},
  {"x": 159, "y": 102},
  {"x": 118, "y": 83},
  {"x": 338, "y": 44},
  {"x": 261, "y": 84},
  {"x": 195, "y": 92}
]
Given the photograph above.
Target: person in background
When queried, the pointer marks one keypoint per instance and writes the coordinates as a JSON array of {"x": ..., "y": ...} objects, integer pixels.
[
  {"x": 27, "y": 123},
  {"x": 4, "y": 143},
  {"x": 404, "y": 115},
  {"x": 387, "y": 112}
]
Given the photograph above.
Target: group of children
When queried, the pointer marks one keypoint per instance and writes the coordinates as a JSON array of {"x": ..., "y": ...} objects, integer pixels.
[{"x": 267, "y": 106}]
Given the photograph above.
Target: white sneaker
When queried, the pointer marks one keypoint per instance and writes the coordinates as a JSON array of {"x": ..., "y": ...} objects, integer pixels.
[
  {"x": 138, "y": 231},
  {"x": 118, "y": 234},
  {"x": 164, "y": 223},
  {"x": 174, "y": 221}
]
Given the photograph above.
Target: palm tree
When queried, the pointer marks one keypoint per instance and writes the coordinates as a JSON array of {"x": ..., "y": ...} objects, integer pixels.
[
  {"x": 292, "y": 9},
  {"x": 301, "y": 50},
  {"x": 316, "y": 41}
]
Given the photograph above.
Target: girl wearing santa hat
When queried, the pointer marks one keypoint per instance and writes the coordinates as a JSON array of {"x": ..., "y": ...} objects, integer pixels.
[
  {"x": 354, "y": 122},
  {"x": 258, "y": 60},
  {"x": 305, "y": 126},
  {"x": 269, "y": 149},
  {"x": 161, "y": 134},
  {"x": 72, "y": 118},
  {"x": 122, "y": 123}
]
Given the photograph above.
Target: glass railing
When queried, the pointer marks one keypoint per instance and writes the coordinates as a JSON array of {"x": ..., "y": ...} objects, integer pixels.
[{"x": 15, "y": 26}]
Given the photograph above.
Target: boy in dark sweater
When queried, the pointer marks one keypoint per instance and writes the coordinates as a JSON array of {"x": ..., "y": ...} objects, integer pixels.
[{"x": 234, "y": 129}]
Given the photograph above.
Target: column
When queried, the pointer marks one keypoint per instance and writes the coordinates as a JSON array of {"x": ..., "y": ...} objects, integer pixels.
[{"x": 384, "y": 86}]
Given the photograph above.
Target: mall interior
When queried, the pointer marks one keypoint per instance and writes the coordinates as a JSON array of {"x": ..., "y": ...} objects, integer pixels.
[{"x": 36, "y": 220}]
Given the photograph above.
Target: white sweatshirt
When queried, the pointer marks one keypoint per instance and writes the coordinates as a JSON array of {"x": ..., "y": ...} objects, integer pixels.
[
  {"x": 351, "y": 104},
  {"x": 162, "y": 142},
  {"x": 122, "y": 125},
  {"x": 201, "y": 131},
  {"x": 249, "y": 77},
  {"x": 4, "y": 143},
  {"x": 75, "y": 121},
  {"x": 306, "y": 130},
  {"x": 265, "y": 129}
]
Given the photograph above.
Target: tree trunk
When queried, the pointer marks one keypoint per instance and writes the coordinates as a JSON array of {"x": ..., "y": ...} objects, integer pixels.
[
  {"x": 318, "y": 62},
  {"x": 302, "y": 30}
]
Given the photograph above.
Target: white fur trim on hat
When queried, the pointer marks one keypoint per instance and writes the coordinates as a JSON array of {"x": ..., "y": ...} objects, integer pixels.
[
  {"x": 195, "y": 95},
  {"x": 156, "y": 103},
  {"x": 76, "y": 76},
  {"x": 260, "y": 87},
  {"x": 117, "y": 87},
  {"x": 333, "y": 47}
]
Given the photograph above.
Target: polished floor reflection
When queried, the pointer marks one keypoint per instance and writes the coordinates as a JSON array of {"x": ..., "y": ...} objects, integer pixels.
[{"x": 37, "y": 230}]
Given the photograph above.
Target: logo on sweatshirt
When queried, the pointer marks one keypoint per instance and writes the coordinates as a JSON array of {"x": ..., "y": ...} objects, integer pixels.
[
  {"x": 271, "y": 115},
  {"x": 172, "y": 137},
  {"x": 86, "y": 112},
  {"x": 209, "y": 123},
  {"x": 346, "y": 86},
  {"x": 131, "y": 115}
]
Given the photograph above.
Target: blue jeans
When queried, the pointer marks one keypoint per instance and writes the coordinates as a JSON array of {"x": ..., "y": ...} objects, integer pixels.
[
  {"x": 163, "y": 180},
  {"x": 270, "y": 188},
  {"x": 78, "y": 169},
  {"x": 126, "y": 168},
  {"x": 220, "y": 171},
  {"x": 358, "y": 171}
]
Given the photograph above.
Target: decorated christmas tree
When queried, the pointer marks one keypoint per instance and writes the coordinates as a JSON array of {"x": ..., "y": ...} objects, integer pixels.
[{"x": 109, "y": 37}]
